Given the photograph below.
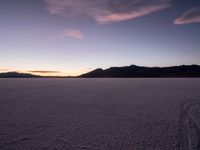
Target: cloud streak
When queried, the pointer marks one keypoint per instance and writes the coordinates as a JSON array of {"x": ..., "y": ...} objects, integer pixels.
[
  {"x": 68, "y": 33},
  {"x": 106, "y": 11},
  {"x": 73, "y": 33},
  {"x": 115, "y": 17},
  {"x": 3, "y": 69},
  {"x": 190, "y": 16},
  {"x": 43, "y": 72}
]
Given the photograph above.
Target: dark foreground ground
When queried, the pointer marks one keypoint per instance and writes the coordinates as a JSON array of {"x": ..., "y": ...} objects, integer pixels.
[{"x": 99, "y": 114}]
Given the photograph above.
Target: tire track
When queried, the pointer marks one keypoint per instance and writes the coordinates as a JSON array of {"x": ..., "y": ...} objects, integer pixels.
[
  {"x": 15, "y": 141},
  {"x": 189, "y": 130}
]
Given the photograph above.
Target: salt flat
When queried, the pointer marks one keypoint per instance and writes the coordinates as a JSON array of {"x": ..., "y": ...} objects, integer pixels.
[{"x": 99, "y": 114}]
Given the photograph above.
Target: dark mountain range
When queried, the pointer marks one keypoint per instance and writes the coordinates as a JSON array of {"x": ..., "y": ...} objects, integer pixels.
[
  {"x": 138, "y": 71},
  {"x": 17, "y": 75},
  {"x": 124, "y": 72}
]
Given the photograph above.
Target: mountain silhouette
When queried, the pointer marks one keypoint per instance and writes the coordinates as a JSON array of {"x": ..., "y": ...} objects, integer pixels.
[
  {"x": 139, "y": 71},
  {"x": 132, "y": 71},
  {"x": 17, "y": 75}
]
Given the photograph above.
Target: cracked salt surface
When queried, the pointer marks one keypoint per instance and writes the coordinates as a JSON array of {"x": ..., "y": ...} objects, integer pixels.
[{"x": 99, "y": 114}]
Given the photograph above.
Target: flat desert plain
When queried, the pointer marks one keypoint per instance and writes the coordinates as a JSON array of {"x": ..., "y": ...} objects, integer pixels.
[{"x": 100, "y": 114}]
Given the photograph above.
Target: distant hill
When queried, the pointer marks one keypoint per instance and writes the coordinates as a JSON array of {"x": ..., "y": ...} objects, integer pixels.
[
  {"x": 17, "y": 75},
  {"x": 138, "y": 71},
  {"x": 132, "y": 71}
]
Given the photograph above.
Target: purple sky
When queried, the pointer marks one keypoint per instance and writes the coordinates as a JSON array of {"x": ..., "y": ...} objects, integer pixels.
[{"x": 70, "y": 37}]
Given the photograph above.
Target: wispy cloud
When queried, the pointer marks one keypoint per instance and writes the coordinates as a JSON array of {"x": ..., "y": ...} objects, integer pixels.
[
  {"x": 86, "y": 69},
  {"x": 4, "y": 69},
  {"x": 190, "y": 16},
  {"x": 106, "y": 11},
  {"x": 68, "y": 33},
  {"x": 115, "y": 17},
  {"x": 73, "y": 33},
  {"x": 43, "y": 72}
]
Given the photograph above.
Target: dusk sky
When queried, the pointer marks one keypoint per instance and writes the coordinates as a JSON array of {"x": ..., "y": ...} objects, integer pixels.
[{"x": 70, "y": 37}]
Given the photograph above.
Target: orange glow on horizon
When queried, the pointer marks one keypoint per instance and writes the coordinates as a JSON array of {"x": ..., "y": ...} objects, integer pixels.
[{"x": 47, "y": 73}]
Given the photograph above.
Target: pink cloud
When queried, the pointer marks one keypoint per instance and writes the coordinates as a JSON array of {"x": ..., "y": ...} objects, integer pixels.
[
  {"x": 86, "y": 69},
  {"x": 190, "y": 16},
  {"x": 106, "y": 11},
  {"x": 115, "y": 17},
  {"x": 43, "y": 71},
  {"x": 4, "y": 69},
  {"x": 55, "y": 10},
  {"x": 73, "y": 33},
  {"x": 55, "y": 6}
]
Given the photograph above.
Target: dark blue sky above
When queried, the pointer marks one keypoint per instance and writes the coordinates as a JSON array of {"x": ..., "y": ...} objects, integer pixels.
[{"x": 70, "y": 37}]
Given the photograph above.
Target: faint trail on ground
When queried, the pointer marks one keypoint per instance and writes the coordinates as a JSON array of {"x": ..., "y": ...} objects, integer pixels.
[
  {"x": 189, "y": 131},
  {"x": 80, "y": 127},
  {"x": 14, "y": 141},
  {"x": 68, "y": 144}
]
